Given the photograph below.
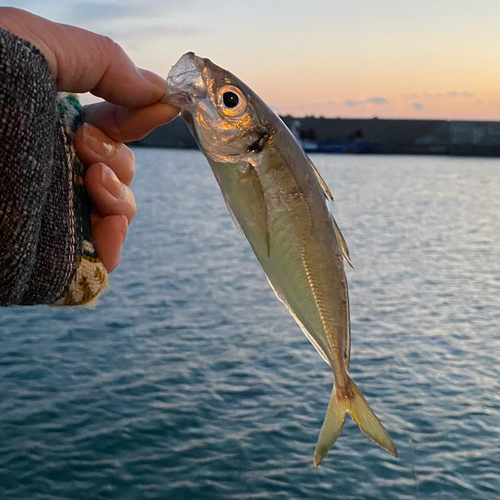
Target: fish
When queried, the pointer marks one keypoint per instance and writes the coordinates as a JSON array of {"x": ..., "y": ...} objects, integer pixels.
[{"x": 278, "y": 200}]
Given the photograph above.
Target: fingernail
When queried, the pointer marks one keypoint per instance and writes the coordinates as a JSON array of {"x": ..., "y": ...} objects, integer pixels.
[
  {"x": 124, "y": 229},
  {"x": 111, "y": 183},
  {"x": 97, "y": 141}
]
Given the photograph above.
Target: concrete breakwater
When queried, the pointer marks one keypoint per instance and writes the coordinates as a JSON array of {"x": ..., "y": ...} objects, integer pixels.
[{"x": 378, "y": 136}]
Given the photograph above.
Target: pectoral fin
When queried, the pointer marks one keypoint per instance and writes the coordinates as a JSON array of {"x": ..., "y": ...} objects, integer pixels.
[
  {"x": 260, "y": 220},
  {"x": 244, "y": 196},
  {"x": 254, "y": 221}
]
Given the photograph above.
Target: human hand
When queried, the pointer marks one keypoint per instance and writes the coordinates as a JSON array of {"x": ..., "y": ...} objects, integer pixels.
[
  {"x": 110, "y": 170},
  {"x": 82, "y": 61}
]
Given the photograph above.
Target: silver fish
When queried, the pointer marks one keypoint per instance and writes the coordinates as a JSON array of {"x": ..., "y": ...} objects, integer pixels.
[{"x": 277, "y": 199}]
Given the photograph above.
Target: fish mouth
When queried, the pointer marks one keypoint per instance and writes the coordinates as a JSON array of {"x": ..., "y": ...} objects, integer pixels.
[{"x": 185, "y": 83}]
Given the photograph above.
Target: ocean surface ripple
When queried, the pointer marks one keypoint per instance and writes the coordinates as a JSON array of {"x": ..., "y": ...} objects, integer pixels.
[{"x": 189, "y": 380}]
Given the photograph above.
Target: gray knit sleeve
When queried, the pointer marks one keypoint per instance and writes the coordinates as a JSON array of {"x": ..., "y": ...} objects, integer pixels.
[{"x": 46, "y": 251}]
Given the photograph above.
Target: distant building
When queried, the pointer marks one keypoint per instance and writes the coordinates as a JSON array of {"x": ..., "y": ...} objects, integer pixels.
[{"x": 464, "y": 138}]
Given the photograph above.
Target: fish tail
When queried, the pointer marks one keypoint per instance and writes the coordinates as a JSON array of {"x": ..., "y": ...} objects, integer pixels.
[{"x": 350, "y": 400}]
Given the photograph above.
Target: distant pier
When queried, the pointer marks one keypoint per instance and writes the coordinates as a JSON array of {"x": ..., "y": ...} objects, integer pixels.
[{"x": 366, "y": 136}]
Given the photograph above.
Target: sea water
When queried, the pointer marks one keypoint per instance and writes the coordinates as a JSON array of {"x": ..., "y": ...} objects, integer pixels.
[{"x": 190, "y": 380}]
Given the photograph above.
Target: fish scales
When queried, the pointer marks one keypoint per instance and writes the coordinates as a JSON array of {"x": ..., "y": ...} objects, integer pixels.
[{"x": 278, "y": 199}]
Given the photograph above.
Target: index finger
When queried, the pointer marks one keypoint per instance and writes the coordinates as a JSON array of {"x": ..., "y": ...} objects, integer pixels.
[
  {"x": 82, "y": 61},
  {"x": 123, "y": 124}
]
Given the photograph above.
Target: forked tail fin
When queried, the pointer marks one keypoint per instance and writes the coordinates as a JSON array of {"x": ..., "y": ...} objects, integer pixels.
[{"x": 350, "y": 400}]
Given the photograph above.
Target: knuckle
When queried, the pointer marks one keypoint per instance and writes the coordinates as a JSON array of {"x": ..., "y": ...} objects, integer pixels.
[{"x": 127, "y": 164}]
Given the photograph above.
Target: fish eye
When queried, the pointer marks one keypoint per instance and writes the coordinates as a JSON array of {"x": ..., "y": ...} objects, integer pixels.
[{"x": 231, "y": 101}]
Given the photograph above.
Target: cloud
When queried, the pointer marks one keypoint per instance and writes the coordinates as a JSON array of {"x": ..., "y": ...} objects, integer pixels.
[
  {"x": 377, "y": 100},
  {"x": 439, "y": 95},
  {"x": 101, "y": 15},
  {"x": 417, "y": 105},
  {"x": 101, "y": 11},
  {"x": 313, "y": 108},
  {"x": 454, "y": 93},
  {"x": 21, "y": 4},
  {"x": 124, "y": 33},
  {"x": 132, "y": 21},
  {"x": 416, "y": 96},
  {"x": 482, "y": 102},
  {"x": 371, "y": 100}
]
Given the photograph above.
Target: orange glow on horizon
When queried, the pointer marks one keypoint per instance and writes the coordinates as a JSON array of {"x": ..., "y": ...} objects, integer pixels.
[{"x": 323, "y": 58}]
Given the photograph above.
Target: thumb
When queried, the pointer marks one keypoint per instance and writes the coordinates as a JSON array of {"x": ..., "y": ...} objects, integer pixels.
[{"x": 82, "y": 61}]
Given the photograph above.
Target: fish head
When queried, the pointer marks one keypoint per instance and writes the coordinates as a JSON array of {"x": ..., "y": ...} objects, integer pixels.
[{"x": 228, "y": 120}]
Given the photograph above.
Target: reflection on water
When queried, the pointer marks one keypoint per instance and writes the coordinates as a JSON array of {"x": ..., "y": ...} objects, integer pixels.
[{"x": 191, "y": 381}]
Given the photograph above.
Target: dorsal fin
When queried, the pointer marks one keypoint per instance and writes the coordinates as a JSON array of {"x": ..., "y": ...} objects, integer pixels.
[
  {"x": 328, "y": 196},
  {"x": 322, "y": 183},
  {"x": 342, "y": 242}
]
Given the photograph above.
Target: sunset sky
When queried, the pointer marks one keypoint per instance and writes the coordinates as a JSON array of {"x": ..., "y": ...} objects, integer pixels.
[{"x": 347, "y": 58}]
